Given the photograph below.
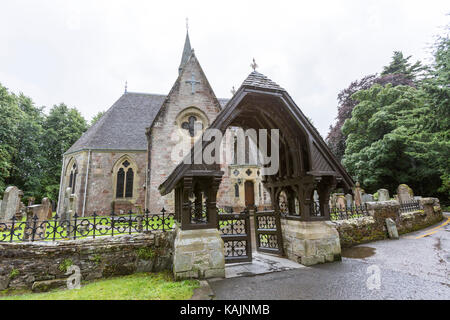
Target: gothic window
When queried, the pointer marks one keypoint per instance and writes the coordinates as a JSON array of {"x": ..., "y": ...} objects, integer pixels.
[
  {"x": 236, "y": 190},
  {"x": 125, "y": 180},
  {"x": 73, "y": 177},
  {"x": 129, "y": 184}
]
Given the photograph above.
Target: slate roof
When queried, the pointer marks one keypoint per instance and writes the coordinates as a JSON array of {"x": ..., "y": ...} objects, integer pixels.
[
  {"x": 258, "y": 80},
  {"x": 123, "y": 126}
]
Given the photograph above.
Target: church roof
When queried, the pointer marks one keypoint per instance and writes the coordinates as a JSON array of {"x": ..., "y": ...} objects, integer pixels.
[{"x": 123, "y": 126}]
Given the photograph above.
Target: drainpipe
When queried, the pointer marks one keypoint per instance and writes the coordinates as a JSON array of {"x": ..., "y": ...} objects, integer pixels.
[
  {"x": 60, "y": 184},
  {"x": 86, "y": 182}
]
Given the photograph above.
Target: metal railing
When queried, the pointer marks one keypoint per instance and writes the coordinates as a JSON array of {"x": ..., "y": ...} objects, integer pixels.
[
  {"x": 348, "y": 212},
  {"x": 87, "y": 227},
  {"x": 410, "y": 206}
]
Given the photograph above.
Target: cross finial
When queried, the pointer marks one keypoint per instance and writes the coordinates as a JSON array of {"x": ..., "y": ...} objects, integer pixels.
[
  {"x": 233, "y": 91},
  {"x": 254, "y": 65},
  {"x": 126, "y": 86},
  {"x": 187, "y": 24}
]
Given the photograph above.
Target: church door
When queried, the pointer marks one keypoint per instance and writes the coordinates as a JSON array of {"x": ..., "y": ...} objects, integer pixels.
[{"x": 249, "y": 193}]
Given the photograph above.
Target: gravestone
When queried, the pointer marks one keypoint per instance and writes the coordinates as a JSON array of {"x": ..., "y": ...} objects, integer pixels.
[
  {"x": 64, "y": 213},
  {"x": 367, "y": 197},
  {"x": 10, "y": 204},
  {"x": 333, "y": 200},
  {"x": 391, "y": 228},
  {"x": 349, "y": 200},
  {"x": 357, "y": 193},
  {"x": 73, "y": 200},
  {"x": 340, "y": 204},
  {"x": 383, "y": 195},
  {"x": 405, "y": 193},
  {"x": 39, "y": 224}
]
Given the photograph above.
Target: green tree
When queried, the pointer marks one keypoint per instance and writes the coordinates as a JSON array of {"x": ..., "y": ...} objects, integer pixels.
[
  {"x": 28, "y": 158},
  {"x": 10, "y": 116},
  {"x": 401, "y": 65},
  {"x": 63, "y": 127},
  {"x": 97, "y": 117}
]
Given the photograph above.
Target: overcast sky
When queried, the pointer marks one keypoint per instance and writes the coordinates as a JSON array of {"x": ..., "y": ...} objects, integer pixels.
[{"x": 82, "y": 52}]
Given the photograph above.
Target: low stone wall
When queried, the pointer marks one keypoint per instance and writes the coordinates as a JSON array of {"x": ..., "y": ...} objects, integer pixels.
[
  {"x": 42, "y": 265},
  {"x": 373, "y": 227}
]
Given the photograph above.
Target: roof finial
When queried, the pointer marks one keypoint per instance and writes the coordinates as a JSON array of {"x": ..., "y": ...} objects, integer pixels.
[
  {"x": 126, "y": 86},
  {"x": 254, "y": 65},
  {"x": 187, "y": 24}
]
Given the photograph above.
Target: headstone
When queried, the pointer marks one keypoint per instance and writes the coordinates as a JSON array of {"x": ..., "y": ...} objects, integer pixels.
[
  {"x": 391, "y": 228},
  {"x": 367, "y": 197},
  {"x": 357, "y": 193},
  {"x": 405, "y": 193},
  {"x": 383, "y": 195},
  {"x": 73, "y": 200},
  {"x": 333, "y": 200},
  {"x": 64, "y": 214},
  {"x": 349, "y": 200},
  {"x": 10, "y": 204},
  {"x": 40, "y": 211},
  {"x": 340, "y": 204}
]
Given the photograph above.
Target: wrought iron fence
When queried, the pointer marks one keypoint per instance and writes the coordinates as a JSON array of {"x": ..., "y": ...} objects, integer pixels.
[
  {"x": 348, "y": 212},
  {"x": 410, "y": 206},
  {"x": 87, "y": 227}
]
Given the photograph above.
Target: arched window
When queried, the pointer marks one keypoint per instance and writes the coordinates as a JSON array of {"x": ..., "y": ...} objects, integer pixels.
[
  {"x": 125, "y": 180},
  {"x": 236, "y": 190},
  {"x": 73, "y": 177}
]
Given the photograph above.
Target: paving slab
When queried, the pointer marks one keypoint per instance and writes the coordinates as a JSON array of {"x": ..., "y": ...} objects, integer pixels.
[{"x": 261, "y": 264}]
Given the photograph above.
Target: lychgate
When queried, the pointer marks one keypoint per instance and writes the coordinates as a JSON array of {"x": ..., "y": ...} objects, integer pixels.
[{"x": 296, "y": 226}]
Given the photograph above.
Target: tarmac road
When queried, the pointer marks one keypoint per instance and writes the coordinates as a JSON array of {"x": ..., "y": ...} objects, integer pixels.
[{"x": 414, "y": 267}]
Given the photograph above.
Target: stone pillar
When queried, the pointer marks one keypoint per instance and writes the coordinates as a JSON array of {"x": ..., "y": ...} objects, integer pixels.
[
  {"x": 198, "y": 254},
  {"x": 310, "y": 242}
]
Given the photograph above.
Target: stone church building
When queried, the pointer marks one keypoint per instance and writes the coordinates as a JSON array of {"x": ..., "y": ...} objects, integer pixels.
[{"x": 119, "y": 163}]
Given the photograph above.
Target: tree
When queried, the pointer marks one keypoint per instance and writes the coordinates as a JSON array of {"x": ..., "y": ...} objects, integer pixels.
[
  {"x": 28, "y": 158},
  {"x": 97, "y": 117},
  {"x": 398, "y": 72},
  {"x": 401, "y": 65},
  {"x": 63, "y": 126},
  {"x": 379, "y": 136},
  {"x": 9, "y": 119}
]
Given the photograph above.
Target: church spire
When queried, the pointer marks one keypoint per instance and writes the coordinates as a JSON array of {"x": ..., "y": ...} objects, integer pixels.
[{"x": 187, "y": 49}]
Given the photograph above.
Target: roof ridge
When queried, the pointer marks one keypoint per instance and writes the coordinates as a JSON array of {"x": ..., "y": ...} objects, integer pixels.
[{"x": 259, "y": 80}]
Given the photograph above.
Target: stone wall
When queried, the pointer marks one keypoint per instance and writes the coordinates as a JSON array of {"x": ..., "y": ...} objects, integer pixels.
[
  {"x": 373, "y": 227},
  {"x": 39, "y": 266}
]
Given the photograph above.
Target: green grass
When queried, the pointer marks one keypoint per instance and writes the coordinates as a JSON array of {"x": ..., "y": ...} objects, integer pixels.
[{"x": 140, "y": 286}]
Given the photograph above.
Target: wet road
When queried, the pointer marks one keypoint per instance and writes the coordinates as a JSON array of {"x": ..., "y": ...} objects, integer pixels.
[{"x": 414, "y": 267}]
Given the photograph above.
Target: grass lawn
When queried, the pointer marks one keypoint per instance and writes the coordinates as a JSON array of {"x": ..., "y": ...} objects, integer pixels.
[{"x": 140, "y": 286}]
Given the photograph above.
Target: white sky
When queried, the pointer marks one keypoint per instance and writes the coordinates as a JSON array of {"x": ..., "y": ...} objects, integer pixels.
[{"x": 81, "y": 52}]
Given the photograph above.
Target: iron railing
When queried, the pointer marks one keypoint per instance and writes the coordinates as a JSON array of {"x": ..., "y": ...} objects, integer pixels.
[
  {"x": 410, "y": 206},
  {"x": 348, "y": 212},
  {"x": 84, "y": 227}
]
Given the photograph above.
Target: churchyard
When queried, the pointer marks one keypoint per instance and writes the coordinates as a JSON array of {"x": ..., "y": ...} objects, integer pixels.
[{"x": 37, "y": 246}]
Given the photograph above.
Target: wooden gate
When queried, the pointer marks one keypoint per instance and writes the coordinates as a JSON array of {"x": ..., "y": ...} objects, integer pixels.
[
  {"x": 268, "y": 232},
  {"x": 235, "y": 232}
]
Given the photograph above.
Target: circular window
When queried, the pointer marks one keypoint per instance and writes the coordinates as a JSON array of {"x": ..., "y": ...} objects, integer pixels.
[{"x": 191, "y": 122}]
